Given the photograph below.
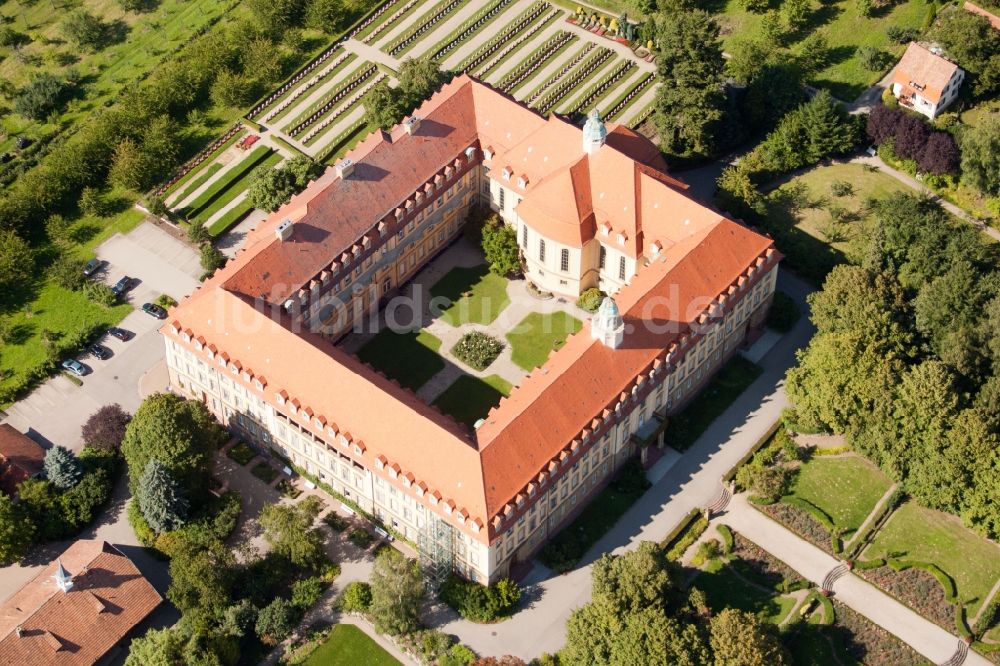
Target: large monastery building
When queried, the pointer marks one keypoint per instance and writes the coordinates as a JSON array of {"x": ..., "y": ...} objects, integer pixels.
[{"x": 591, "y": 208}]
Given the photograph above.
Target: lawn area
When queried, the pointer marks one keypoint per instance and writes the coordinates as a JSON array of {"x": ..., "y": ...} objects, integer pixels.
[
  {"x": 350, "y": 646},
  {"x": 734, "y": 377},
  {"x": 799, "y": 214},
  {"x": 845, "y": 29},
  {"x": 476, "y": 295},
  {"x": 932, "y": 536},
  {"x": 724, "y": 588},
  {"x": 538, "y": 334},
  {"x": 471, "y": 398},
  {"x": 409, "y": 358},
  {"x": 845, "y": 487}
]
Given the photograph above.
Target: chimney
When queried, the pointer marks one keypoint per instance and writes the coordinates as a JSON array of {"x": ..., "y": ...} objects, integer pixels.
[
  {"x": 411, "y": 125},
  {"x": 284, "y": 230},
  {"x": 63, "y": 579},
  {"x": 345, "y": 168},
  {"x": 18, "y": 630}
]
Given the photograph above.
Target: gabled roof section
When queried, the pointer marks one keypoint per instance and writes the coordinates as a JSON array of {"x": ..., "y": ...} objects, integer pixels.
[
  {"x": 926, "y": 73},
  {"x": 20, "y": 458}
]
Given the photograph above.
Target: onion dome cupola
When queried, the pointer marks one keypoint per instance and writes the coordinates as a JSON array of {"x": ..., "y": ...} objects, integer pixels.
[
  {"x": 607, "y": 325},
  {"x": 594, "y": 132}
]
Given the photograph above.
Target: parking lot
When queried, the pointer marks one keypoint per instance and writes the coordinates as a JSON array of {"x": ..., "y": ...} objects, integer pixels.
[{"x": 161, "y": 264}]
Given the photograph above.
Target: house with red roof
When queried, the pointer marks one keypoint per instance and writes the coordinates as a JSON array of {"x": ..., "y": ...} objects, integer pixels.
[
  {"x": 591, "y": 207},
  {"x": 925, "y": 81},
  {"x": 21, "y": 458},
  {"x": 77, "y": 611}
]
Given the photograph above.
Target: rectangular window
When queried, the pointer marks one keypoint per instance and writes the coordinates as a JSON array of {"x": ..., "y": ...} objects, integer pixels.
[
  {"x": 502, "y": 191},
  {"x": 541, "y": 249},
  {"x": 564, "y": 260},
  {"x": 621, "y": 268},
  {"x": 604, "y": 257},
  {"x": 524, "y": 236}
]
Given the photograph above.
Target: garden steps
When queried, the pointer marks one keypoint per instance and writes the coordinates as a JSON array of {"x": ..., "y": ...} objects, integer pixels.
[
  {"x": 834, "y": 575},
  {"x": 961, "y": 652}
]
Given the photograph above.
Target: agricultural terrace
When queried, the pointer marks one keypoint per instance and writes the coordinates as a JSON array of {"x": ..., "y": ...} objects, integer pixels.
[{"x": 530, "y": 49}]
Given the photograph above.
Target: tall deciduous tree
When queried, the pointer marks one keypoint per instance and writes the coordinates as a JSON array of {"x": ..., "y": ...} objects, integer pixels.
[
  {"x": 397, "y": 591},
  {"x": 690, "y": 103},
  {"x": 161, "y": 499},
  {"x": 973, "y": 43},
  {"x": 16, "y": 531},
  {"x": 105, "y": 428},
  {"x": 981, "y": 155},
  {"x": 201, "y": 576},
  {"x": 17, "y": 261},
  {"x": 741, "y": 639},
  {"x": 290, "y": 531}
]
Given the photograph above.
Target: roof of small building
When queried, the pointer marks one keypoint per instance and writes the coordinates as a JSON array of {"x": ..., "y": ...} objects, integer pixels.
[
  {"x": 924, "y": 72},
  {"x": 20, "y": 458},
  {"x": 41, "y": 625}
]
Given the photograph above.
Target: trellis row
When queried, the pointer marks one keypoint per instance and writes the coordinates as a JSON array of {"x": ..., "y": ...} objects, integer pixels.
[
  {"x": 520, "y": 41},
  {"x": 391, "y": 21},
  {"x": 611, "y": 79},
  {"x": 496, "y": 42},
  {"x": 561, "y": 73},
  {"x": 307, "y": 87},
  {"x": 529, "y": 67},
  {"x": 564, "y": 87},
  {"x": 499, "y": 6},
  {"x": 371, "y": 19},
  {"x": 399, "y": 46},
  {"x": 196, "y": 161},
  {"x": 620, "y": 106},
  {"x": 342, "y": 110},
  {"x": 316, "y": 115},
  {"x": 323, "y": 57}
]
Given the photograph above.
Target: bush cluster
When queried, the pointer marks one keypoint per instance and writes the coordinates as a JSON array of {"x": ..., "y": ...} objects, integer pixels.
[
  {"x": 910, "y": 138},
  {"x": 477, "y": 350},
  {"x": 480, "y": 603},
  {"x": 590, "y": 300}
]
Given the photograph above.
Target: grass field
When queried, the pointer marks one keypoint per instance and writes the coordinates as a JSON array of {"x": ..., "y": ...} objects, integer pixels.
[
  {"x": 799, "y": 214},
  {"x": 471, "y": 398},
  {"x": 409, "y": 358},
  {"x": 724, "y": 588},
  {"x": 350, "y": 646},
  {"x": 932, "y": 536},
  {"x": 846, "y": 488},
  {"x": 534, "y": 338},
  {"x": 477, "y": 296},
  {"x": 845, "y": 29}
]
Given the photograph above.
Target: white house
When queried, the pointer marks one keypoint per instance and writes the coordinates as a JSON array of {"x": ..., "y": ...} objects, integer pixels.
[{"x": 926, "y": 82}]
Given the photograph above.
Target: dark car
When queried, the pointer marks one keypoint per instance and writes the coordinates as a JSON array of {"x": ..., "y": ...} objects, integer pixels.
[
  {"x": 121, "y": 334},
  {"x": 5, "y": 157},
  {"x": 92, "y": 267},
  {"x": 122, "y": 286},
  {"x": 154, "y": 310},
  {"x": 99, "y": 351},
  {"x": 22, "y": 142},
  {"x": 74, "y": 366}
]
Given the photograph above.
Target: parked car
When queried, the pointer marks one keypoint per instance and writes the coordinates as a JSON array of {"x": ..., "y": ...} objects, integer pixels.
[
  {"x": 74, "y": 366},
  {"x": 120, "y": 333},
  {"x": 100, "y": 351},
  {"x": 22, "y": 142},
  {"x": 154, "y": 310},
  {"x": 5, "y": 157},
  {"x": 122, "y": 286},
  {"x": 92, "y": 267}
]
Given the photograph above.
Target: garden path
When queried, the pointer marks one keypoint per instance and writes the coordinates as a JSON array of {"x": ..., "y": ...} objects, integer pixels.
[
  {"x": 875, "y": 513},
  {"x": 622, "y": 50},
  {"x": 371, "y": 54},
  {"x": 237, "y": 200},
  {"x": 986, "y": 603},
  {"x": 813, "y": 563}
]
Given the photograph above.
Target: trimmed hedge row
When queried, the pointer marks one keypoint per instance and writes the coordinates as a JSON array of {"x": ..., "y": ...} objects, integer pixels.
[
  {"x": 728, "y": 543},
  {"x": 229, "y": 177},
  {"x": 687, "y": 535}
]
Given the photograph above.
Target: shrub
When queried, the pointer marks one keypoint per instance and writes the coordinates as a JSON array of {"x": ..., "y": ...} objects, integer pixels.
[
  {"x": 727, "y": 538},
  {"x": 457, "y": 655},
  {"x": 632, "y": 479},
  {"x": 707, "y": 551},
  {"x": 873, "y": 59},
  {"x": 784, "y": 313},
  {"x": 105, "y": 428},
  {"x": 434, "y": 645},
  {"x": 43, "y": 95},
  {"x": 590, "y": 300},
  {"x": 275, "y": 621},
  {"x": 766, "y": 482},
  {"x": 480, "y": 603},
  {"x": 360, "y": 537},
  {"x": 306, "y": 592},
  {"x": 241, "y": 453},
  {"x": 356, "y": 597},
  {"x": 335, "y": 521},
  {"x": 477, "y": 349},
  {"x": 900, "y": 35},
  {"x": 841, "y": 188},
  {"x": 677, "y": 547},
  {"x": 500, "y": 247}
]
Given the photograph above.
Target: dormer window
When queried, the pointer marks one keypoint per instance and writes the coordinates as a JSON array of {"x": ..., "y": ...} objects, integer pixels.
[
  {"x": 282, "y": 397},
  {"x": 488, "y": 153},
  {"x": 474, "y": 526},
  {"x": 655, "y": 248},
  {"x": 470, "y": 153},
  {"x": 621, "y": 239},
  {"x": 319, "y": 422},
  {"x": 506, "y": 173},
  {"x": 605, "y": 229},
  {"x": 522, "y": 182},
  {"x": 359, "y": 448},
  {"x": 185, "y": 336},
  {"x": 380, "y": 462},
  {"x": 258, "y": 385}
]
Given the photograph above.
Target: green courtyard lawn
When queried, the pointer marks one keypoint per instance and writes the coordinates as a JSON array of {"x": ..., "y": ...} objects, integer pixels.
[
  {"x": 847, "y": 488},
  {"x": 800, "y": 220},
  {"x": 350, "y": 646},
  {"x": 938, "y": 538},
  {"x": 470, "y": 398},
  {"x": 724, "y": 587},
  {"x": 845, "y": 29},
  {"x": 538, "y": 334},
  {"x": 476, "y": 295},
  {"x": 409, "y": 358},
  {"x": 687, "y": 426}
]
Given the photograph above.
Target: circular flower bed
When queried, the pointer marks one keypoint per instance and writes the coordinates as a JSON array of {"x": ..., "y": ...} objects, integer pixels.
[{"x": 477, "y": 350}]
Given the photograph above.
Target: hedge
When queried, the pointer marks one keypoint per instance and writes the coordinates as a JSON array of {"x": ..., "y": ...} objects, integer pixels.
[
  {"x": 727, "y": 539},
  {"x": 819, "y": 514},
  {"x": 684, "y": 540},
  {"x": 479, "y": 603},
  {"x": 232, "y": 217},
  {"x": 258, "y": 155},
  {"x": 961, "y": 624},
  {"x": 987, "y": 616},
  {"x": 861, "y": 565},
  {"x": 861, "y": 537},
  {"x": 947, "y": 583}
]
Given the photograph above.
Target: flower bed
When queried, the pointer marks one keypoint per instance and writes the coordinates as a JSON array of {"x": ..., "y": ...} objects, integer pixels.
[
  {"x": 359, "y": 30},
  {"x": 477, "y": 350},
  {"x": 316, "y": 131},
  {"x": 470, "y": 27},
  {"x": 622, "y": 70},
  {"x": 286, "y": 104},
  {"x": 552, "y": 80},
  {"x": 762, "y": 568},
  {"x": 535, "y": 61},
  {"x": 290, "y": 83},
  {"x": 264, "y": 472},
  {"x": 916, "y": 588},
  {"x": 869, "y": 643},
  {"x": 423, "y": 24},
  {"x": 331, "y": 99},
  {"x": 241, "y": 453},
  {"x": 570, "y": 83},
  {"x": 800, "y": 522},
  {"x": 516, "y": 26},
  {"x": 625, "y": 100},
  {"x": 212, "y": 150}
]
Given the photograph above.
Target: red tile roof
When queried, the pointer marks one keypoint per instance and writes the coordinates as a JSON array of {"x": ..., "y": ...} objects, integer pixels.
[
  {"x": 108, "y": 598},
  {"x": 929, "y": 72},
  {"x": 567, "y": 194},
  {"x": 20, "y": 458}
]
